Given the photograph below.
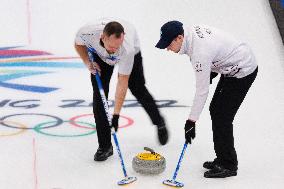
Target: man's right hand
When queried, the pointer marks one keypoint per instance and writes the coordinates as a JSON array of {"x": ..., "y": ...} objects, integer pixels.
[
  {"x": 189, "y": 130},
  {"x": 93, "y": 67}
]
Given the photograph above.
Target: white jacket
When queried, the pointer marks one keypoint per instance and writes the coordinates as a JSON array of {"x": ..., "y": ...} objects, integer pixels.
[
  {"x": 212, "y": 50},
  {"x": 90, "y": 35}
]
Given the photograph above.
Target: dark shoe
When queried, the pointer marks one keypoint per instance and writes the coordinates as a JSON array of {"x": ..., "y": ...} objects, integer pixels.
[
  {"x": 219, "y": 172},
  {"x": 163, "y": 134},
  {"x": 103, "y": 154},
  {"x": 209, "y": 164}
]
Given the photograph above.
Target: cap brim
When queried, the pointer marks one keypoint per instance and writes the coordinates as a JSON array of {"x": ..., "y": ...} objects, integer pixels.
[{"x": 162, "y": 44}]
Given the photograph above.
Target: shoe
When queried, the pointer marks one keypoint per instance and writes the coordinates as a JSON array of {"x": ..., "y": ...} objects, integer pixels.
[
  {"x": 163, "y": 134},
  {"x": 209, "y": 164},
  {"x": 220, "y": 172},
  {"x": 103, "y": 154}
]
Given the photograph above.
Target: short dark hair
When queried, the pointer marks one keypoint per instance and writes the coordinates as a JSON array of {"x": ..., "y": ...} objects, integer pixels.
[{"x": 113, "y": 28}]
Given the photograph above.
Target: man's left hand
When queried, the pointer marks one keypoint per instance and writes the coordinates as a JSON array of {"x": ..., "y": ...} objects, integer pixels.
[{"x": 114, "y": 122}]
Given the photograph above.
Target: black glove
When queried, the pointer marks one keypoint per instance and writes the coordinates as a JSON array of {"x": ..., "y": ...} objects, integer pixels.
[
  {"x": 189, "y": 129},
  {"x": 114, "y": 122},
  {"x": 212, "y": 76}
]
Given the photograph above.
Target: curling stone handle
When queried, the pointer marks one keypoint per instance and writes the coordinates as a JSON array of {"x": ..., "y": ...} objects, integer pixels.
[{"x": 149, "y": 149}]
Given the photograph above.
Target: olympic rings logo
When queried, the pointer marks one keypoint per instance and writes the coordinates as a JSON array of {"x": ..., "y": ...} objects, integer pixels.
[{"x": 14, "y": 123}]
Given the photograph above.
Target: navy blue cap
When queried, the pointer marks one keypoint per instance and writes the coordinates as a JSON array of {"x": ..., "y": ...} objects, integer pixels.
[{"x": 169, "y": 31}]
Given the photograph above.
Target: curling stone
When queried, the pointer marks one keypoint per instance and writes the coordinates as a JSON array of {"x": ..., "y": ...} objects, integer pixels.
[{"x": 149, "y": 162}]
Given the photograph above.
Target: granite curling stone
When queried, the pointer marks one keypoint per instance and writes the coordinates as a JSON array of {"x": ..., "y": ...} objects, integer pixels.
[{"x": 149, "y": 162}]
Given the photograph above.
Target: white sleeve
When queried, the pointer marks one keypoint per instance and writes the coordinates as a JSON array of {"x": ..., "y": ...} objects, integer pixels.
[
  {"x": 88, "y": 35},
  {"x": 125, "y": 65},
  {"x": 202, "y": 67},
  {"x": 78, "y": 38}
]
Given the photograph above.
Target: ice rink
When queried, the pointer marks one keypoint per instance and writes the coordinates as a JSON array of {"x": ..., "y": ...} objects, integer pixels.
[{"x": 47, "y": 135}]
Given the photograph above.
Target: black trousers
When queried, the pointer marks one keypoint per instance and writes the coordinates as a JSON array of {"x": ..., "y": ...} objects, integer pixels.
[
  {"x": 137, "y": 87},
  {"x": 228, "y": 97}
]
